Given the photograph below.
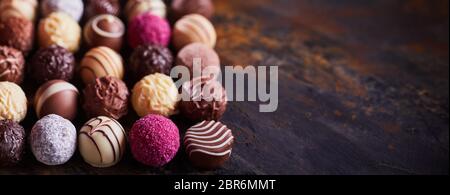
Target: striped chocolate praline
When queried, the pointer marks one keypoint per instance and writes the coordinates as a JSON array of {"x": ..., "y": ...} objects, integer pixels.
[
  {"x": 102, "y": 142},
  {"x": 194, "y": 28},
  {"x": 208, "y": 144},
  {"x": 56, "y": 97},
  {"x": 100, "y": 62}
]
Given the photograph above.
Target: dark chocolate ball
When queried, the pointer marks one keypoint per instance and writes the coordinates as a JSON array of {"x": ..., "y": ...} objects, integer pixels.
[
  {"x": 106, "y": 96},
  {"x": 12, "y": 142},
  {"x": 52, "y": 63},
  {"x": 180, "y": 8},
  {"x": 150, "y": 59},
  {"x": 17, "y": 33},
  {"x": 203, "y": 99},
  {"x": 12, "y": 65},
  {"x": 97, "y": 7}
]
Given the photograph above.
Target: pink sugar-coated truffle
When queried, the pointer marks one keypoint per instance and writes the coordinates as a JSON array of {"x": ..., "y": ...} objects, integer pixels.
[
  {"x": 148, "y": 29},
  {"x": 154, "y": 140}
]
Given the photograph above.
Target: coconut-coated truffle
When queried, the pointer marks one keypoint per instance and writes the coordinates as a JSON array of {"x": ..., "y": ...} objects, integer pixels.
[
  {"x": 12, "y": 142},
  {"x": 53, "y": 140},
  {"x": 73, "y": 8},
  {"x": 147, "y": 28},
  {"x": 17, "y": 33},
  {"x": 12, "y": 65},
  {"x": 51, "y": 63},
  {"x": 106, "y": 96},
  {"x": 60, "y": 29},
  {"x": 150, "y": 59},
  {"x": 154, "y": 140},
  {"x": 13, "y": 102}
]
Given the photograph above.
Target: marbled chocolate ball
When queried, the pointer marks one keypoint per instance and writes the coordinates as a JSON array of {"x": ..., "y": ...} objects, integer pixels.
[
  {"x": 60, "y": 29},
  {"x": 106, "y": 96},
  {"x": 73, "y": 8},
  {"x": 99, "y": 7},
  {"x": 17, "y": 33},
  {"x": 150, "y": 59},
  {"x": 56, "y": 97},
  {"x": 52, "y": 63},
  {"x": 100, "y": 62},
  {"x": 12, "y": 142},
  {"x": 12, "y": 65},
  {"x": 180, "y": 8},
  {"x": 104, "y": 30}
]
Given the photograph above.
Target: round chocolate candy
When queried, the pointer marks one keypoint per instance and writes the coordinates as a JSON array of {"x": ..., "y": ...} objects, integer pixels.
[
  {"x": 193, "y": 28},
  {"x": 208, "y": 144},
  {"x": 56, "y": 97},
  {"x": 102, "y": 142},
  {"x": 18, "y": 8},
  {"x": 99, "y": 7},
  {"x": 150, "y": 59},
  {"x": 12, "y": 65},
  {"x": 209, "y": 64},
  {"x": 203, "y": 99},
  {"x": 104, "y": 30},
  {"x": 106, "y": 96},
  {"x": 53, "y": 140},
  {"x": 12, "y": 142},
  {"x": 74, "y": 8},
  {"x": 13, "y": 102},
  {"x": 100, "y": 62},
  {"x": 134, "y": 8},
  {"x": 60, "y": 29},
  {"x": 180, "y": 8},
  {"x": 52, "y": 63},
  {"x": 147, "y": 28},
  {"x": 17, "y": 33}
]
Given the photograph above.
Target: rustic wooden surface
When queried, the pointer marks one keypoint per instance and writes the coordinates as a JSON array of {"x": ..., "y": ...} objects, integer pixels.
[{"x": 364, "y": 89}]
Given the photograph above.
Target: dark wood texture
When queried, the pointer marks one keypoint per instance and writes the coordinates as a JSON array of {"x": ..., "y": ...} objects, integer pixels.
[{"x": 363, "y": 89}]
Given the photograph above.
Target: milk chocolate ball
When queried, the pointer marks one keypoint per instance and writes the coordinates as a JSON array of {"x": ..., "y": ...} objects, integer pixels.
[
  {"x": 99, "y": 7},
  {"x": 180, "y": 8},
  {"x": 12, "y": 65},
  {"x": 104, "y": 30},
  {"x": 51, "y": 63},
  {"x": 17, "y": 33}
]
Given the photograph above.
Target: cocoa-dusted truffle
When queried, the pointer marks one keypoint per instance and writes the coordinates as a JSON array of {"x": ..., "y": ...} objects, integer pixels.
[
  {"x": 18, "y": 33},
  {"x": 104, "y": 30},
  {"x": 106, "y": 96},
  {"x": 98, "y": 7},
  {"x": 12, "y": 142},
  {"x": 54, "y": 62},
  {"x": 12, "y": 65},
  {"x": 210, "y": 62},
  {"x": 180, "y": 8},
  {"x": 150, "y": 59},
  {"x": 203, "y": 99}
]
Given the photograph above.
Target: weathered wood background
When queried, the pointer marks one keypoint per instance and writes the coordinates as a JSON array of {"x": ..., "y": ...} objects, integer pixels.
[{"x": 363, "y": 89}]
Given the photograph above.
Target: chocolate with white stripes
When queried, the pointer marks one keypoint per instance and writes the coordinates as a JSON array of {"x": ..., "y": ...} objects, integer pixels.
[
  {"x": 208, "y": 144},
  {"x": 100, "y": 62},
  {"x": 102, "y": 142},
  {"x": 56, "y": 97}
]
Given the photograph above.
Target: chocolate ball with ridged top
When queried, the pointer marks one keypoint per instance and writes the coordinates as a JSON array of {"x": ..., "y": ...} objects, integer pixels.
[
  {"x": 12, "y": 65},
  {"x": 52, "y": 63},
  {"x": 150, "y": 59}
]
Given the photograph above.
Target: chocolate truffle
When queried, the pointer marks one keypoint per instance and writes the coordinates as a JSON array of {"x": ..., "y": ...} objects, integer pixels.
[
  {"x": 147, "y": 28},
  {"x": 52, "y": 63},
  {"x": 106, "y": 96},
  {"x": 17, "y": 33},
  {"x": 102, "y": 142},
  {"x": 104, "y": 30},
  {"x": 12, "y": 65},
  {"x": 60, "y": 29},
  {"x": 53, "y": 140},
  {"x": 180, "y": 8},
  {"x": 203, "y": 99},
  {"x": 100, "y": 62},
  {"x": 13, "y": 102},
  {"x": 208, "y": 144},
  {"x": 56, "y": 97},
  {"x": 150, "y": 59},
  {"x": 99, "y": 7},
  {"x": 137, "y": 7},
  {"x": 193, "y": 28},
  {"x": 154, "y": 140},
  {"x": 210, "y": 62},
  {"x": 155, "y": 94},
  {"x": 12, "y": 142},
  {"x": 73, "y": 8},
  {"x": 18, "y": 8}
]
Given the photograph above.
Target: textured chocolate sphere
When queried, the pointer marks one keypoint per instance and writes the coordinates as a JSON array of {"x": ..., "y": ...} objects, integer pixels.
[
  {"x": 106, "y": 96},
  {"x": 17, "y": 33},
  {"x": 54, "y": 62},
  {"x": 12, "y": 142},
  {"x": 60, "y": 29},
  {"x": 210, "y": 62},
  {"x": 203, "y": 99},
  {"x": 13, "y": 102},
  {"x": 99, "y": 7},
  {"x": 180, "y": 8},
  {"x": 150, "y": 59},
  {"x": 12, "y": 65}
]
